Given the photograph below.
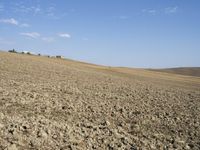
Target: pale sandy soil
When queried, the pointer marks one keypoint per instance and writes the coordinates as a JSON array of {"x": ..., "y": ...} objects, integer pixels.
[{"x": 49, "y": 103}]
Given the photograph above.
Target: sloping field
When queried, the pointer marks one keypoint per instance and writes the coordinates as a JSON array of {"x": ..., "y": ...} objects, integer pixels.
[
  {"x": 189, "y": 71},
  {"x": 49, "y": 103}
]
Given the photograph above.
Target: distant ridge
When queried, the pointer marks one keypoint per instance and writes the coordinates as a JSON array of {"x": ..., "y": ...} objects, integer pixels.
[{"x": 189, "y": 71}]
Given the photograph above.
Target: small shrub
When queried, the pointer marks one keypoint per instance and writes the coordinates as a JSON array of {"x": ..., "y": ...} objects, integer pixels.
[{"x": 12, "y": 51}]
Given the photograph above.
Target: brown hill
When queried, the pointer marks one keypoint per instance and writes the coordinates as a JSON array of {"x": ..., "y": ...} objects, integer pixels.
[
  {"x": 51, "y": 103},
  {"x": 189, "y": 71}
]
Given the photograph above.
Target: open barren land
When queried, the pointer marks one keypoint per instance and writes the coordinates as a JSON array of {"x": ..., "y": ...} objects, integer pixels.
[
  {"x": 190, "y": 71},
  {"x": 50, "y": 104}
]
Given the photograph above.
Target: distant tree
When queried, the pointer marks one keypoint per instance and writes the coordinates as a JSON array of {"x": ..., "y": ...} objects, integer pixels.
[
  {"x": 58, "y": 56},
  {"x": 39, "y": 54},
  {"x": 12, "y": 51}
]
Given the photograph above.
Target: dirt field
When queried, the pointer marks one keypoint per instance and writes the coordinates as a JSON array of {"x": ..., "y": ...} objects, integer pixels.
[
  {"x": 49, "y": 103},
  {"x": 190, "y": 71}
]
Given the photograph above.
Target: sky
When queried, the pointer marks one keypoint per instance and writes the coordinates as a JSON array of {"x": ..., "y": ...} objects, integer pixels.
[{"x": 129, "y": 33}]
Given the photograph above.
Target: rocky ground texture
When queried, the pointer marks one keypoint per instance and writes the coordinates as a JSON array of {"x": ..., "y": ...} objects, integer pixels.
[{"x": 49, "y": 103}]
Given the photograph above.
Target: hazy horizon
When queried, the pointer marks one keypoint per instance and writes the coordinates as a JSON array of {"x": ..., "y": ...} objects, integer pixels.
[{"x": 139, "y": 34}]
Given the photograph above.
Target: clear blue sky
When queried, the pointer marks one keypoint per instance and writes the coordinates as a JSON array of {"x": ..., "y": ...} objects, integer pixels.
[{"x": 132, "y": 33}]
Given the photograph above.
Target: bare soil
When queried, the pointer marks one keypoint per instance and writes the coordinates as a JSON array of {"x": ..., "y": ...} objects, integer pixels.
[
  {"x": 49, "y": 103},
  {"x": 189, "y": 71}
]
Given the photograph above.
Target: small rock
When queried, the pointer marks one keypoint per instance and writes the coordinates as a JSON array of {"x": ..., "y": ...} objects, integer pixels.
[
  {"x": 175, "y": 146},
  {"x": 12, "y": 147},
  {"x": 42, "y": 133},
  {"x": 133, "y": 147},
  {"x": 1, "y": 125},
  {"x": 191, "y": 145},
  {"x": 124, "y": 141},
  {"x": 110, "y": 146},
  {"x": 107, "y": 122},
  {"x": 54, "y": 136},
  {"x": 2, "y": 116}
]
